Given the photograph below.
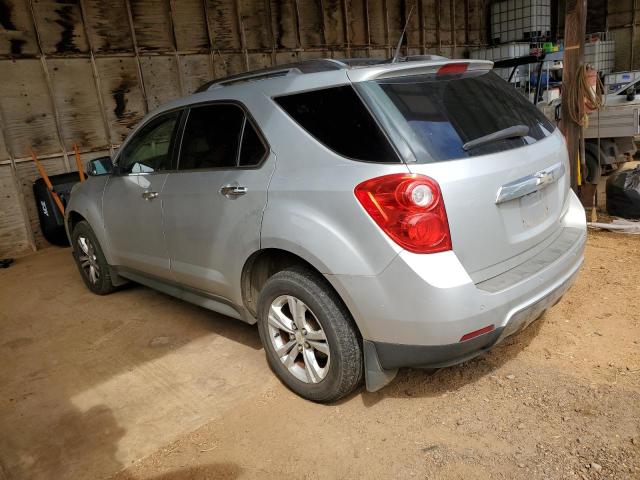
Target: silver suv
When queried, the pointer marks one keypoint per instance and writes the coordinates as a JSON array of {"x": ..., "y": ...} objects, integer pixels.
[{"x": 366, "y": 215}]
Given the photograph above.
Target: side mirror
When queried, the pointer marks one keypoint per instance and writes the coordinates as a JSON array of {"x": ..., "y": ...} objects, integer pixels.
[
  {"x": 100, "y": 166},
  {"x": 631, "y": 94}
]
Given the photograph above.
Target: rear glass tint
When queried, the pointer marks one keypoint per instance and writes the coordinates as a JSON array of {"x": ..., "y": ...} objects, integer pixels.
[
  {"x": 211, "y": 137},
  {"x": 252, "y": 150},
  {"x": 338, "y": 119},
  {"x": 445, "y": 112}
]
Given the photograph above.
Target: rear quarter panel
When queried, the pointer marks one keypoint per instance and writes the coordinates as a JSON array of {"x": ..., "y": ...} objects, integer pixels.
[{"x": 311, "y": 207}]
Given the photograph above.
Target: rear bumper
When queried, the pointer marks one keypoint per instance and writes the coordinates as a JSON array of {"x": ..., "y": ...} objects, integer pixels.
[
  {"x": 392, "y": 356},
  {"x": 418, "y": 309}
]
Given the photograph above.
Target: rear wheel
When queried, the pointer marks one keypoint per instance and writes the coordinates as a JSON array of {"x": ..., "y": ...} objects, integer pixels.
[
  {"x": 90, "y": 259},
  {"x": 592, "y": 167},
  {"x": 309, "y": 338}
]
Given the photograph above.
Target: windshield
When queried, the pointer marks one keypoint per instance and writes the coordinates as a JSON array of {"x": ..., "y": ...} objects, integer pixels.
[{"x": 436, "y": 115}]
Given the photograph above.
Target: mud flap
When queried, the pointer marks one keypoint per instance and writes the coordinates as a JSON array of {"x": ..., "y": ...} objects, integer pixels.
[{"x": 375, "y": 376}]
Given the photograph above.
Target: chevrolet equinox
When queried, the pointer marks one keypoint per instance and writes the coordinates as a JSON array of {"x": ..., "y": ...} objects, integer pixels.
[{"x": 367, "y": 215}]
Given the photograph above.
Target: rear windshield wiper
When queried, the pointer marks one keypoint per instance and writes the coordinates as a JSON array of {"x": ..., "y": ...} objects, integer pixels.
[{"x": 509, "y": 132}]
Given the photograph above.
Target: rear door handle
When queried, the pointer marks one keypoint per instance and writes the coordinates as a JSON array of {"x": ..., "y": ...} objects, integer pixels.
[
  {"x": 231, "y": 191},
  {"x": 149, "y": 195}
]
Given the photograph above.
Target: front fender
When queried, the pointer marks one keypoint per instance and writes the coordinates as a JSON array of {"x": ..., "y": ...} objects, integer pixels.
[{"x": 86, "y": 201}]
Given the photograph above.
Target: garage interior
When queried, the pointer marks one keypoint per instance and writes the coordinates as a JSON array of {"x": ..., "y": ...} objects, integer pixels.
[{"x": 139, "y": 385}]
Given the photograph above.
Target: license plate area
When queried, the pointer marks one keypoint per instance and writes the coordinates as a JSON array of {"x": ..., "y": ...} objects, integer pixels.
[{"x": 534, "y": 208}]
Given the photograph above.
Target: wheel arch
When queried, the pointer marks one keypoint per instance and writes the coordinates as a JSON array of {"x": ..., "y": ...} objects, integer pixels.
[
  {"x": 73, "y": 217},
  {"x": 265, "y": 263}
]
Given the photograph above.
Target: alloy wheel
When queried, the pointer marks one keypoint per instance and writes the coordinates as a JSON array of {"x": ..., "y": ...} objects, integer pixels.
[
  {"x": 298, "y": 339},
  {"x": 88, "y": 260}
]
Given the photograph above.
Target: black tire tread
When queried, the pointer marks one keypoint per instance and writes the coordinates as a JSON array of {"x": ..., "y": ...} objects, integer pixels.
[
  {"x": 593, "y": 169},
  {"x": 346, "y": 333},
  {"x": 105, "y": 284}
]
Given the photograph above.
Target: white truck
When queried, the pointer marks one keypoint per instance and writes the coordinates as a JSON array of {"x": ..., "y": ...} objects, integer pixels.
[
  {"x": 611, "y": 132},
  {"x": 617, "y": 126}
]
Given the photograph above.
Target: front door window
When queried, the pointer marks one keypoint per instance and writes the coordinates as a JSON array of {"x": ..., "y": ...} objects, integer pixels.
[{"x": 149, "y": 150}]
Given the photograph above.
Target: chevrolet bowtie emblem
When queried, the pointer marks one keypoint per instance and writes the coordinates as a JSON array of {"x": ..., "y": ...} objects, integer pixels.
[{"x": 544, "y": 177}]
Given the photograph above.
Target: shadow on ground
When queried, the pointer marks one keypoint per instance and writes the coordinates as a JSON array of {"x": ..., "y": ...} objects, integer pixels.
[
  {"x": 85, "y": 381},
  {"x": 434, "y": 383},
  {"x": 215, "y": 471}
]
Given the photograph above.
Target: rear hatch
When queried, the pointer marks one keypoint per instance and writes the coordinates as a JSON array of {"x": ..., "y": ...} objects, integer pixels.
[{"x": 501, "y": 165}]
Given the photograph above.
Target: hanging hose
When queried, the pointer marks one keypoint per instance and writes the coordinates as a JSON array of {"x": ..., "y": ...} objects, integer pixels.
[
  {"x": 582, "y": 99},
  {"x": 579, "y": 95}
]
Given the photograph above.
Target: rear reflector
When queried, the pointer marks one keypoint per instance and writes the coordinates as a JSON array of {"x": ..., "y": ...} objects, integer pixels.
[
  {"x": 452, "y": 68},
  {"x": 477, "y": 333}
]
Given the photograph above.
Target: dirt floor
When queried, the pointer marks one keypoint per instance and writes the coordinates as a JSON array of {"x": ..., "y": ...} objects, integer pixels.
[{"x": 138, "y": 385}]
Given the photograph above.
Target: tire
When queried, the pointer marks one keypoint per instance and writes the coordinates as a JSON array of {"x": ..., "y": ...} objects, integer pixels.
[
  {"x": 592, "y": 167},
  {"x": 89, "y": 256},
  {"x": 306, "y": 368}
]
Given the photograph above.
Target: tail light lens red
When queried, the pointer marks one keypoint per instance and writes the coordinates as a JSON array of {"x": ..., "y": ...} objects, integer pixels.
[
  {"x": 452, "y": 68},
  {"x": 410, "y": 209}
]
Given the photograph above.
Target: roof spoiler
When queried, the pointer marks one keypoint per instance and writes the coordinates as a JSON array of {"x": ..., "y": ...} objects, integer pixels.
[
  {"x": 420, "y": 68},
  {"x": 314, "y": 66}
]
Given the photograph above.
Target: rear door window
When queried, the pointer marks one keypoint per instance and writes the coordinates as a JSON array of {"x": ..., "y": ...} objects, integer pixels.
[
  {"x": 211, "y": 137},
  {"x": 253, "y": 148},
  {"x": 220, "y": 136},
  {"x": 337, "y": 118},
  {"x": 444, "y": 112}
]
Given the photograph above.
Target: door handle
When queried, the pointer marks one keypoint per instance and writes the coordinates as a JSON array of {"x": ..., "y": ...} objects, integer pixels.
[
  {"x": 231, "y": 191},
  {"x": 149, "y": 195}
]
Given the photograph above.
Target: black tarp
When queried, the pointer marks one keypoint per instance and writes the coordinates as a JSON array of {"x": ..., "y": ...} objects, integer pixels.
[{"x": 623, "y": 194}]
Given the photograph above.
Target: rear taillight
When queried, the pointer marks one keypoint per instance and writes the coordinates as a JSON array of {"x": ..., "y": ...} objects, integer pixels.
[{"x": 409, "y": 208}]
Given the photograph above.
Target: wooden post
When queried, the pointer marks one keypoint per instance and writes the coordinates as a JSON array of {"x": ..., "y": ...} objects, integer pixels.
[
  {"x": 136, "y": 50},
  {"x": 437, "y": 6},
  {"x": 633, "y": 34},
  {"x": 574, "y": 33},
  {"x": 209, "y": 39},
  {"x": 243, "y": 37},
  {"x": 345, "y": 30},
  {"x": 176, "y": 56},
  {"x": 52, "y": 96},
  {"x": 96, "y": 80}
]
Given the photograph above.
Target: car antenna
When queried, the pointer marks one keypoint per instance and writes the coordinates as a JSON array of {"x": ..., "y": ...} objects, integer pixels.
[{"x": 404, "y": 30}]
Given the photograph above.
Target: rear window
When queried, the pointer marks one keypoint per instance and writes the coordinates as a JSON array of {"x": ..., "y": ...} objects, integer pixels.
[
  {"x": 338, "y": 119},
  {"x": 445, "y": 112}
]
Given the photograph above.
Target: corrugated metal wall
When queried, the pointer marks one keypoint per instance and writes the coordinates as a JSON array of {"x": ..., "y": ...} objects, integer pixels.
[{"x": 85, "y": 71}]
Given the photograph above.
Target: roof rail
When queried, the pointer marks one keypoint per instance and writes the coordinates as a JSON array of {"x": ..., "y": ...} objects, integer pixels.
[
  {"x": 422, "y": 58},
  {"x": 310, "y": 66},
  {"x": 306, "y": 66}
]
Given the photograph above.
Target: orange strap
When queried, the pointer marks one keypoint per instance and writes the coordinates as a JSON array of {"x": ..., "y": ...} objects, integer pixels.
[
  {"x": 47, "y": 182},
  {"x": 79, "y": 163}
]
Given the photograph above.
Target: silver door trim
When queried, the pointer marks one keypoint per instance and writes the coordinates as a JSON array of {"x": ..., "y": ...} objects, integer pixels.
[
  {"x": 233, "y": 190},
  {"x": 150, "y": 195},
  {"x": 529, "y": 184}
]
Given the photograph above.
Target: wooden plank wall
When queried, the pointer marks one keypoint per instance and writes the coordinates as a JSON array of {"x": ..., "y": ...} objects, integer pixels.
[{"x": 85, "y": 71}]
